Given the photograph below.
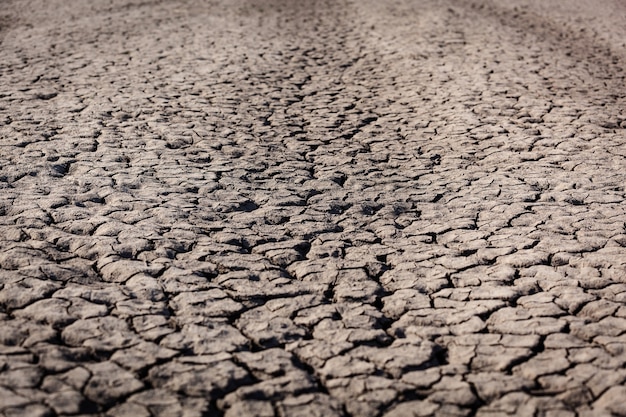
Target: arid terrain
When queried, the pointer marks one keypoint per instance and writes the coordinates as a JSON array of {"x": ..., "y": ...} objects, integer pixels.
[{"x": 332, "y": 208}]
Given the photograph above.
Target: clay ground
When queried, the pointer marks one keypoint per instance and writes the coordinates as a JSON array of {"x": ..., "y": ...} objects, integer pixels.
[{"x": 312, "y": 208}]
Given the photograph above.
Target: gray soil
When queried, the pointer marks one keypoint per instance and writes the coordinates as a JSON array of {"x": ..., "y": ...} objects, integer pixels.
[{"x": 312, "y": 208}]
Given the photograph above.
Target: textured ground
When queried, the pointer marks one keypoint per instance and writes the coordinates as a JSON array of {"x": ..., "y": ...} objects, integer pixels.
[{"x": 312, "y": 208}]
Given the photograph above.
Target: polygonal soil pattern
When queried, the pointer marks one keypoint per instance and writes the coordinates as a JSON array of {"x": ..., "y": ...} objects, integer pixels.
[{"x": 312, "y": 208}]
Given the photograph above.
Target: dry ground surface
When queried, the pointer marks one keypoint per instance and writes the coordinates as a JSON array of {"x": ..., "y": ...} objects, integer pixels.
[{"x": 312, "y": 208}]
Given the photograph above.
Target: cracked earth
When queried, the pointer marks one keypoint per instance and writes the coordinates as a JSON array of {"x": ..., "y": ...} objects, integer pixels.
[{"x": 312, "y": 208}]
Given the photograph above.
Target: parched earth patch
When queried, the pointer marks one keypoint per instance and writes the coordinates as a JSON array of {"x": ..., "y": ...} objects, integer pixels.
[{"x": 316, "y": 208}]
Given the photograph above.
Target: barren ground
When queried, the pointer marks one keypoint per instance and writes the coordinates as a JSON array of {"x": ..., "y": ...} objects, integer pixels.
[{"x": 312, "y": 208}]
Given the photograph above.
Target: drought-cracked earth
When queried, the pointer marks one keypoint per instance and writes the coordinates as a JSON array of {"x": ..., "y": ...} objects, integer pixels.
[{"x": 312, "y": 208}]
